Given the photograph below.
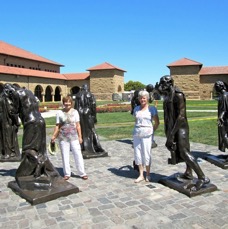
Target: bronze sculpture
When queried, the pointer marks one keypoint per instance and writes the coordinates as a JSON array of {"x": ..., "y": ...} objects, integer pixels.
[
  {"x": 35, "y": 173},
  {"x": 221, "y": 88},
  {"x": 85, "y": 104},
  {"x": 9, "y": 124},
  {"x": 177, "y": 133},
  {"x": 134, "y": 100}
]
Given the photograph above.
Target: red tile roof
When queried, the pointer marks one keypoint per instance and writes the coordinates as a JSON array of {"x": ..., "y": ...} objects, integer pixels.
[
  {"x": 214, "y": 70},
  {"x": 11, "y": 50},
  {"x": 183, "y": 62},
  {"x": 104, "y": 66},
  {"x": 77, "y": 76},
  {"x": 29, "y": 72}
]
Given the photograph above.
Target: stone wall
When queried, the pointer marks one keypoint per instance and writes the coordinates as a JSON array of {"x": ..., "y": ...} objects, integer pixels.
[
  {"x": 207, "y": 83},
  {"x": 185, "y": 70},
  {"x": 186, "y": 78},
  {"x": 75, "y": 83},
  {"x": 31, "y": 82},
  {"x": 103, "y": 83},
  {"x": 194, "y": 86},
  {"x": 189, "y": 84},
  {"x": 119, "y": 84}
]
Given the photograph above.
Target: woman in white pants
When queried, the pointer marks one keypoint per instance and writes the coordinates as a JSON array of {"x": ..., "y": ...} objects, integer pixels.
[
  {"x": 68, "y": 131},
  {"x": 146, "y": 122}
]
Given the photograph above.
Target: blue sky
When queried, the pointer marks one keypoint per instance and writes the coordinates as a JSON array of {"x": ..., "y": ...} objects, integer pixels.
[{"x": 139, "y": 36}]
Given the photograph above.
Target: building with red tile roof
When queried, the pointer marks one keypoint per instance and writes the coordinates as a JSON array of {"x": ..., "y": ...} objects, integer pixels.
[
  {"x": 184, "y": 62},
  {"x": 195, "y": 80},
  {"x": 104, "y": 66},
  {"x": 42, "y": 76}
]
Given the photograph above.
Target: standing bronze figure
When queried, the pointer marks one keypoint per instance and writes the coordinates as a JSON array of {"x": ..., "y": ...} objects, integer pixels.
[
  {"x": 35, "y": 173},
  {"x": 9, "y": 124},
  {"x": 34, "y": 156},
  {"x": 177, "y": 132},
  {"x": 85, "y": 104},
  {"x": 221, "y": 88},
  {"x": 222, "y": 91}
]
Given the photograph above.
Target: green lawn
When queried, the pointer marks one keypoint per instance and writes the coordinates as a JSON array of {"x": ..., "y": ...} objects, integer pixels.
[
  {"x": 119, "y": 125},
  {"x": 202, "y": 125}
]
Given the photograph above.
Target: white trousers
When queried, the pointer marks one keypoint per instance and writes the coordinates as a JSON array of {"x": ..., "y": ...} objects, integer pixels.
[
  {"x": 142, "y": 150},
  {"x": 75, "y": 148}
]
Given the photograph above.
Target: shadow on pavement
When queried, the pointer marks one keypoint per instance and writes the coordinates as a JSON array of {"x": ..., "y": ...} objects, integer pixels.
[
  {"x": 127, "y": 141},
  {"x": 10, "y": 172},
  {"x": 129, "y": 172}
]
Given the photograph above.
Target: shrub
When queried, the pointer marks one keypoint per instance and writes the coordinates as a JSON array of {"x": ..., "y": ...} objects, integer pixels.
[
  {"x": 42, "y": 109},
  {"x": 113, "y": 108},
  {"x": 50, "y": 105}
]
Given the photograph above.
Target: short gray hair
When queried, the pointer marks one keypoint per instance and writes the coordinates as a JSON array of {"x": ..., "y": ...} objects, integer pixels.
[{"x": 144, "y": 93}]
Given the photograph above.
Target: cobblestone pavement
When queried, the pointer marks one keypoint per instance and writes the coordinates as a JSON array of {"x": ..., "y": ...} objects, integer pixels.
[{"x": 111, "y": 199}]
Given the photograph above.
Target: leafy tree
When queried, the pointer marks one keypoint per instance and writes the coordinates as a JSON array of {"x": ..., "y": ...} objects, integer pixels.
[{"x": 133, "y": 85}]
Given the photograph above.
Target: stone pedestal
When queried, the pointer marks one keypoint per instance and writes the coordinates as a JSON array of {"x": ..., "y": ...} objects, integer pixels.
[
  {"x": 184, "y": 185},
  {"x": 10, "y": 159},
  {"x": 88, "y": 155},
  {"x": 41, "y": 190}
]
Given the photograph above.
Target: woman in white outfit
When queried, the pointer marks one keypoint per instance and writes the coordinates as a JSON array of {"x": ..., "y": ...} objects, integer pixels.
[
  {"x": 146, "y": 122},
  {"x": 68, "y": 131}
]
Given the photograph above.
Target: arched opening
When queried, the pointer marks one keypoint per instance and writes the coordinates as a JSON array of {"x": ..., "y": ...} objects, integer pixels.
[
  {"x": 119, "y": 89},
  {"x": 57, "y": 96},
  {"x": 38, "y": 92},
  {"x": 48, "y": 96},
  {"x": 74, "y": 90}
]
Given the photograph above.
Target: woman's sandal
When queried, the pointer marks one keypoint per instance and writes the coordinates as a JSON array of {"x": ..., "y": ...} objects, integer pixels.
[
  {"x": 84, "y": 177},
  {"x": 66, "y": 178}
]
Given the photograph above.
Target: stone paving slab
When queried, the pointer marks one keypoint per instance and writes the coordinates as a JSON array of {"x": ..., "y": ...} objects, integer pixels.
[{"x": 111, "y": 199}]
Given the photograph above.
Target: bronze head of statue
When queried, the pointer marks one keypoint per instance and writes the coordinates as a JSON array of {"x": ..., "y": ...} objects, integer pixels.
[{"x": 165, "y": 84}]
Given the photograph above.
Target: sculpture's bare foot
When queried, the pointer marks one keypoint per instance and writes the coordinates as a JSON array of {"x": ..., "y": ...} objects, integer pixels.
[{"x": 200, "y": 183}]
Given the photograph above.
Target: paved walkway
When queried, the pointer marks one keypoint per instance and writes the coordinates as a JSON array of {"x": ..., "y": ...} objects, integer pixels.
[
  {"x": 111, "y": 199},
  {"x": 49, "y": 114}
]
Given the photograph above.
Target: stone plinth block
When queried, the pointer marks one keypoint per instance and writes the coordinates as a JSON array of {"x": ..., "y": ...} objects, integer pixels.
[
  {"x": 185, "y": 186},
  {"x": 41, "y": 190},
  {"x": 88, "y": 155}
]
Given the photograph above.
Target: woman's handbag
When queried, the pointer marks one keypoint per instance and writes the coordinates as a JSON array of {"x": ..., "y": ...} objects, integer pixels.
[{"x": 52, "y": 148}]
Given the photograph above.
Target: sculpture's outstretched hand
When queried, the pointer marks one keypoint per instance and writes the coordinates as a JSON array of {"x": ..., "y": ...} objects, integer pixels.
[{"x": 170, "y": 144}]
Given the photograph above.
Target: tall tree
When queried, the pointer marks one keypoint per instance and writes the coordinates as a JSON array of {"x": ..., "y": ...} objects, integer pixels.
[{"x": 133, "y": 85}]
